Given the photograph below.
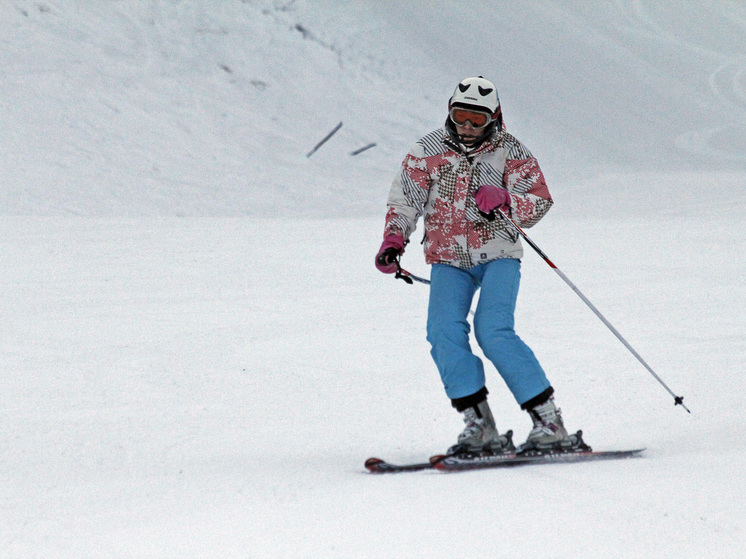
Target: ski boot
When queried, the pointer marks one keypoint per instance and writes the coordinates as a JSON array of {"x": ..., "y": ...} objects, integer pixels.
[
  {"x": 548, "y": 433},
  {"x": 480, "y": 433}
]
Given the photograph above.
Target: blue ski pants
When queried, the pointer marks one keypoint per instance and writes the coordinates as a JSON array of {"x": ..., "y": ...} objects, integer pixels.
[{"x": 451, "y": 292}]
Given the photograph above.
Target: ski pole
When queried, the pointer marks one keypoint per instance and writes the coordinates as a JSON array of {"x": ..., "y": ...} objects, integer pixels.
[
  {"x": 678, "y": 400},
  {"x": 402, "y": 274}
]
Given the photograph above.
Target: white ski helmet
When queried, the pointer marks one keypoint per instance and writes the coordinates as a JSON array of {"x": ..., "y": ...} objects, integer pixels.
[{"x": 476, "y": 93}]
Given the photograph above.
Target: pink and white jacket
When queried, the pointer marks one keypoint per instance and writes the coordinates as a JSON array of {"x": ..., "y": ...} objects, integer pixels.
[{"x": 438, "y": 180}]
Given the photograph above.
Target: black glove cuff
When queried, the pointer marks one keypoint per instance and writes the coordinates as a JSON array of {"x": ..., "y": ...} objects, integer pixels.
[{"x": 489, "y": 217}]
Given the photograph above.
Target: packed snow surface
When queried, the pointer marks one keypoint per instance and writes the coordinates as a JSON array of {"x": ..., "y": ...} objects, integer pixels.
[{"x": 198, "y": 354}]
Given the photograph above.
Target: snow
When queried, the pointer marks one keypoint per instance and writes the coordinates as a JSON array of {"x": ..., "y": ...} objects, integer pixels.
[{"x": 198, "y": 354}]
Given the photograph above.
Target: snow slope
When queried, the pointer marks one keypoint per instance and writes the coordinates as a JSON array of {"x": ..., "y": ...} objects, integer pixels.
[{"x": 198, "y": 355}]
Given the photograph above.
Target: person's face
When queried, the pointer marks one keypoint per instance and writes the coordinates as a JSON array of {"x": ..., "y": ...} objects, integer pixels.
[{"x": 468, "y": 133}]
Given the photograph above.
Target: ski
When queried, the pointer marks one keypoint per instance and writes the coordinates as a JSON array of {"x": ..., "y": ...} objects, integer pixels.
[
  {"x": 464, "y": 461},
  {"x": 378, "y": 466}
]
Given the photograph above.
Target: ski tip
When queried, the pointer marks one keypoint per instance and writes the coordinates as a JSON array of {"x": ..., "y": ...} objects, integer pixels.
[
  {"x": 371, "y": 463},
  {"x": 378, "y": 466}
]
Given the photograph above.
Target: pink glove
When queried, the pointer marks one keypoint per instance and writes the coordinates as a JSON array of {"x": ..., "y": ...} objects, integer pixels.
[
  {"x": 392, "y": 247},
  {"x": 489, "y": 198}
]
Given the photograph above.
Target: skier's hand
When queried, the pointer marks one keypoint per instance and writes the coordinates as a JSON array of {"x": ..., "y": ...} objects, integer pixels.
[
  {"x": 490, "y": 198},
  {"x": 391, "y": 248}
]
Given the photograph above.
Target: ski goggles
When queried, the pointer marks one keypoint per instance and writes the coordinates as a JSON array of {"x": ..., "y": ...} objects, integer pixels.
[{"x": 477, "y": 119}]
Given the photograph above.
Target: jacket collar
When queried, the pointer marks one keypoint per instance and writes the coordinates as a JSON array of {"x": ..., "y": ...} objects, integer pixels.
[{"x": 489, "y": 144}]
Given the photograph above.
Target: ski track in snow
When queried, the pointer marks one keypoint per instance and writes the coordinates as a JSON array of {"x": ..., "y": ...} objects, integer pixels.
[{"x": 198, "y": 354}]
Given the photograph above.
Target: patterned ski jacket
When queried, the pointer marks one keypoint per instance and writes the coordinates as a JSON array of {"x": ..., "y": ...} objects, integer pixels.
[{"x": 438, "y": 180}]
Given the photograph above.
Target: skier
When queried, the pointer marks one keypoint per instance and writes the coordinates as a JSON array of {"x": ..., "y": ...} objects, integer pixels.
[{"x": 458, "y": 177}]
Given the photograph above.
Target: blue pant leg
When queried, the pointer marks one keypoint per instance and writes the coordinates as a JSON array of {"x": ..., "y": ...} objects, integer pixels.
[
  {"x": 494, "y": 324},
  {"x": 451, "y": 294}
]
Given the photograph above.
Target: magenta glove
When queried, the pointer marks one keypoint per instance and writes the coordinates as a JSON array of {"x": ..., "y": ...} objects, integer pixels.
[
  {"x": 392, "y": 247},
  {"x": 489, "y": 198}
]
